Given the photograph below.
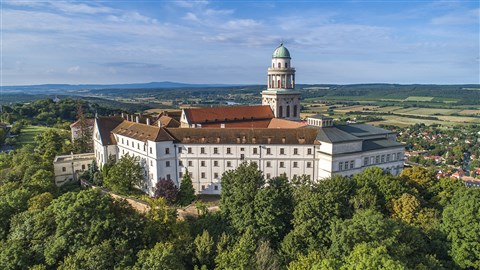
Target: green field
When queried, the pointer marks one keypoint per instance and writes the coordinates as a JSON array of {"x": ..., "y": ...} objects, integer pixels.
[
  {"x": 414, "y": 98},
  {"x": 28, "y": 134}
]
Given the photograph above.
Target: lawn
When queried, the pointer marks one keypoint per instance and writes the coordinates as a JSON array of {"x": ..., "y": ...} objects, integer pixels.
[{"x": 28, "y": 134}]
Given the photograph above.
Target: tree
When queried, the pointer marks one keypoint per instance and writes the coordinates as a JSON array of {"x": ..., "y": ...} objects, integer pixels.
[
  {"x": 239, "y": 188},
  {"x": 40, "y": 201},
  {"x": 265, "y": 257},
  {"x": 165, "y": 188},
  {"x": 406, "y": 208},
  {"x": 124, "y": 175},
  {"x": 240, "y": 255},
  {"x": 205, "y": 250},
  {"x": 273, "y": 208},
  {"x": 161, "y": 256},
  {"x": 186, "y": 194},
  {"x": 461, "y": 223},
  {"x": 84, "y": 142},
  {"x": 368, "y": 256}
]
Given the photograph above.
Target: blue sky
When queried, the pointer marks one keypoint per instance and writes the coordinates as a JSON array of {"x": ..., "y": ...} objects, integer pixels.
[{"x": 231, "y": 41}]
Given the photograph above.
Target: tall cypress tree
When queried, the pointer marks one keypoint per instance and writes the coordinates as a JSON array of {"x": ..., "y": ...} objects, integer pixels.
[{"x": 186, "y": 193}]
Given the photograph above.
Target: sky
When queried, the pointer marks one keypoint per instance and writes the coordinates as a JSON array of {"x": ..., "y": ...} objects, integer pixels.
[{"x": 231, "y": 42}]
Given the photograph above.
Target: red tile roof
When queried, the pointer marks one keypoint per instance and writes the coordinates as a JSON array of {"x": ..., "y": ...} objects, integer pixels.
[
  {"x": 228, "y": 114},
  {"x": 89, "y": 122}
]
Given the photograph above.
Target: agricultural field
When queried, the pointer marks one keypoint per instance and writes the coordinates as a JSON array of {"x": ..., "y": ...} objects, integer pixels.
[{"x": 423, "y": 99}]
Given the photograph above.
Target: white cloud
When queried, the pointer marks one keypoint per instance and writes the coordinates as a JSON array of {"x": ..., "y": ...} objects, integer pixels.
[
  {"x": 73, "y": 70},
  {"x": 458, "y": 18}
]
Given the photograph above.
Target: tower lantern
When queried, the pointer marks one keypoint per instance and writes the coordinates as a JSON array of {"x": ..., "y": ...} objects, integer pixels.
[{"x": 280, "y": 94}]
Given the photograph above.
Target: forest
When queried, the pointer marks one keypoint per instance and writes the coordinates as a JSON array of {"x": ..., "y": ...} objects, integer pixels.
[{"x": 371, "y": 221}]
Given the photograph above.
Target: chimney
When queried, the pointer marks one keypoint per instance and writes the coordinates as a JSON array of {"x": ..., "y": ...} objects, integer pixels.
[
  {"x": 123, "y": 115},
  {"x": 137, "y": 119},
  {"x": 148, "y": 121},
  {"x": 159, "y": 123}
]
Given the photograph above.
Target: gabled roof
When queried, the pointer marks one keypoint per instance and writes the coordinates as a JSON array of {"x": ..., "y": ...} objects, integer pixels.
[
  {"x": 89, "y": 121},
  {"x": 244, "y": 135},
  {"x": 105, "y": 125},
  {"x": 167, "y": 121},
  {"x": 283, "y": 123},
  {"x": 142, "y": 132},
  {"x": 362, "y": 130},
  {"x": 228, "y": 114}
]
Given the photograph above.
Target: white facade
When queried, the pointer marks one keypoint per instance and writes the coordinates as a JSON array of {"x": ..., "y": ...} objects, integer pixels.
[{"x": 68, "y": 167}]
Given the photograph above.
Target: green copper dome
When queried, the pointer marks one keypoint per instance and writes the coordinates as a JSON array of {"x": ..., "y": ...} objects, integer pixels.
[{"x": 281, "y": 52}]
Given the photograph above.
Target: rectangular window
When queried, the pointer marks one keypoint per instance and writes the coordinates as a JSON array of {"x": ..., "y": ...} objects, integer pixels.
[
  {"x": 393, "y": 157},
  {"x": 229, "y": 164},
  {"x": 180, "y": 163},
  {"x": 215, "y": 163},
  {"x": 255, "y": 150},
  {"x": 180, "y": 149},
  {"x": 398, "y": 156},
  {"x": 229, "y": 150},
  {"x": 190, "y": 163},
  {"x": 340, "y": 166},
  {"x": 377, "y": 159},
  {"x": 388, "y": 157},
  {"x": 202, "y": 163},
  {"x": 215, "y": 187},
  {"x": 269, "y": 164},
  {"x": 189, "y": 150},
  {"x": 282, "y": 164},
  {"x": 64, "y": 169},
  {"x": 268, "y": 176},
  {"x": 151, "y": 163},
  {"x": 127, "y": 142},
  {"x": 167, "y": 151},
  {"x": 169, "y": 177},
  {"x": 242, "y": 156},
  {"x": 202, "y": 150},
  {"x": 242, "y": 149},
  {"x": 295, "y": 151},
  {"x": 83, "y": 167},
  {"x": 151, "y": 150},
  {"x": 365, "y": 161},
  {"x": 295, "y": 164},
  {"x": 203, "y": 175},
  {"x": 309, "y": 164},
  {"x": 269, "y": 151},
  {"x": 138, "y": 146},
  {"x": 309, "y": 151},
  {"x": 352, "y": 164},
  {"x": 282, "y": 151},
  {"x": 203, "y": 187},
  {"x": 215, "y": 150},
  {"x": 180, "y": 174},
  {"x": 215, "y": 175},
  {"x": 383, "y": 158},
  {"x": 167, "y": 163}
]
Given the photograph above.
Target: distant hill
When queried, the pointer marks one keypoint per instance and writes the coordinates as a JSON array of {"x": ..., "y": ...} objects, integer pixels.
[{"x": 52, "y": 88}]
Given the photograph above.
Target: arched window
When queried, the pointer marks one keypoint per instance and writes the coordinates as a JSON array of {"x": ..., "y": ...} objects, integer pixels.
[
  {"x": 278, "y": 84},
  {"x": 273, "y": 65},
  {"x": 279, "y": 65},
  {"x": 288, "y": 111},
  {"x": 280, "y": 112},
  {"x": 295, "y": 111}
]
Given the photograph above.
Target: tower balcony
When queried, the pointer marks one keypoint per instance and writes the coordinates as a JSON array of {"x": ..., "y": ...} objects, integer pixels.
[{"x": 281, "y": 69}]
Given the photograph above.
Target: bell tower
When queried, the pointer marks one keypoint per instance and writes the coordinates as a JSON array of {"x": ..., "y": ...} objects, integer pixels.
[{"x": 280, "y": 94}]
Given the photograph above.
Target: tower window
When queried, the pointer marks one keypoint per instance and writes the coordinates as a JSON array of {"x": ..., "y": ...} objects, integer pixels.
[
  {"x": 286, "y": 65},
  {"x": 288, "y": 110},
  {"x": 279, "y": 65},
  {"x": 295, "y": 111},
  {"x": 280, "y": 111}
]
